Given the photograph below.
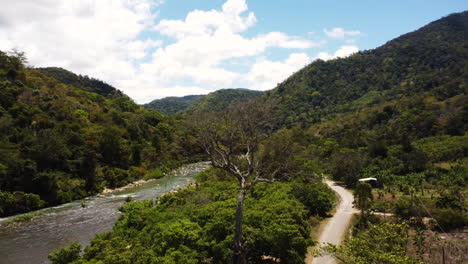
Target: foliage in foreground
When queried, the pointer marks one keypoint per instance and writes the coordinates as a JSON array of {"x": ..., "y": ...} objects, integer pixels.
[
  {"x": 196, "y": 225},
  {"x": 383, "y": 243}
]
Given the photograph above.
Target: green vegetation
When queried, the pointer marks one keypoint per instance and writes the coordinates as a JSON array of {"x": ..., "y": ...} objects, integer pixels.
[
  {"x": 60, "y": 143},
  {"x": 66, "y": 255},
  {"x": 173, "y": 105},
  {"x": 382, "y": 243},
  {"x": 398, "y": 113},
  {"x": 196, "y": 225},
  {"x": 22, "y": 218},
  {"x": 222, "y": 99},
  {"x": 215, "y": 101},
  {"x": 394, "y": 113},
  {"x": 83, "y": 82},
  {"x": 429, "y": 61}
]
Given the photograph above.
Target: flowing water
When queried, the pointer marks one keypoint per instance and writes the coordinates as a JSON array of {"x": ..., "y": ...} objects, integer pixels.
[{"x": 30, "y": 242}]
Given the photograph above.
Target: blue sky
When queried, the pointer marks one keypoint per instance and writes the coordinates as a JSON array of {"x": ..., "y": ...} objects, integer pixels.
[
  {"x": 379, "y": 20},
  {"x": 154, "y": 48}
]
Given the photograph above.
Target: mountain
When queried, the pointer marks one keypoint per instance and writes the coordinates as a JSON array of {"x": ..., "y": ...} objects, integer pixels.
[
  {"x": 398, "y": 113},
  {"x": 83, "y": 82},
  {"x": 431, "y": 60},
  {"x": 60, "y": 142},
  {"x": 399, "y": 109},
  {"x": 172, "y": 105},
  {"x": 219, "y": 100},
  {"x": 214, "y": 101}
]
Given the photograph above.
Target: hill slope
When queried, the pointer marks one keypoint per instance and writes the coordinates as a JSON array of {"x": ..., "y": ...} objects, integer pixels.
[
  {"x": 172, "y": 105},
  {"x": 221, "y": 99},
  {"x": 214, "y": 101},
  {"x": 59, "y": 143},
  {"x": 398, "y": 113},
  {"x": 82, "y": 82},
  {"x": 431, "y": 60}
]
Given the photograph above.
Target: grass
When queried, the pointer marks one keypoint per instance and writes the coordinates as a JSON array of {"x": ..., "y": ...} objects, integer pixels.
[
  {"x": 22, "y": 218},
  {"x": 452, "y": 246}
]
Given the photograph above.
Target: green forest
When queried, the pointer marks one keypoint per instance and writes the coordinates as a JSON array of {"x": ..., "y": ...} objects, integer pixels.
[
  {"x": 214, "y": 101},
  {"x": 61, "y": 142},
  {"x": 398, "y": 113},
  {"x": 173, "y": 105}
]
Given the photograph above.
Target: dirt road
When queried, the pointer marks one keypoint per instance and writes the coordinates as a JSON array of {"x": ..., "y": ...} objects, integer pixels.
[{"x": 336, "y": 226}]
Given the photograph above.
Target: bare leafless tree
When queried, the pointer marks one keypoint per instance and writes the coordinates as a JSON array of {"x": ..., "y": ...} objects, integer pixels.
[{"x": 231, "y": 139}]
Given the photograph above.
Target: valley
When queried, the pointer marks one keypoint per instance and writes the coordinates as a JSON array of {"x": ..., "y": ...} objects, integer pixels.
[{"x": 237, "y": 175}]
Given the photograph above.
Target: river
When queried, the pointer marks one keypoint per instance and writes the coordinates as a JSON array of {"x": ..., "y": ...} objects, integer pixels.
[{"x": 30, "y": 242}]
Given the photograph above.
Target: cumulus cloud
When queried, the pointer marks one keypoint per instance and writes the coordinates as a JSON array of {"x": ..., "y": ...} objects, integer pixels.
[
  {"x": 97, "y": 38},
  {"x": 265, "y": 74},
  {"x": 120, "y": 42},
  {"x": 205, "y": 39},
  {"x": 340, "y": 33},
  {"x": 342, "y": 52}
]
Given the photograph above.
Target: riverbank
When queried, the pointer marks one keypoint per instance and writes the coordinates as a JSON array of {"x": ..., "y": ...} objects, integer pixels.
[
  {"x": 17, "y": 219},
  {"x": 57, "y": 227},
  {"x": 126, "y": 187}
]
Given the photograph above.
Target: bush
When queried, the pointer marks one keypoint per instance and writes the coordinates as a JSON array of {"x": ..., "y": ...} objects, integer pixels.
[
  {"x": 405, "y": 208},
  {"x": 382, "y": 243},
  {"x": 19, "y": 202},
  {"x": 317, "y": 198},
  {"x": 65, "y": 255},
  {"x": 116, "y": 177},
  {"x": 449, "y": 218},
  {"x": 154, "y": 174}
]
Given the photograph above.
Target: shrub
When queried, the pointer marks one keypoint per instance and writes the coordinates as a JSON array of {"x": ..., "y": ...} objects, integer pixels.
[
  {"x": 449, "y": 218},
  {"x": 65, "y": 255}
]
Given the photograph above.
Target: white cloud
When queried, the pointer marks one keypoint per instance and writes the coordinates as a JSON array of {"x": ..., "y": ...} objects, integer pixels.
[
  {"x": 205, "y": 39},
  {"x": 199, "y": 23},
  {"x": 342, "y": 52},
  {"x": 266, "y": 74},
  {"x": 340, "y": 33},
  {"x": 97, "y": 38},
  {"x": 103, "y": 39},
  {"x": 345, "y": 51}
]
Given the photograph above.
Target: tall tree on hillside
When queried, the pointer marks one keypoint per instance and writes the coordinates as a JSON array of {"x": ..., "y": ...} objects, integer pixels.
[
  {"x": 362, "y": 200},
  {"x": 233, "y": 140}
]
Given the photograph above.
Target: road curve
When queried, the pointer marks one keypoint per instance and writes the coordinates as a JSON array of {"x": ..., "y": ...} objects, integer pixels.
[{"x": 336, "y": 227}]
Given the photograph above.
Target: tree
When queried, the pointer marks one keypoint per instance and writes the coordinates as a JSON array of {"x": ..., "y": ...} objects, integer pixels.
[
  {"x": 66, "y": 255},
  {"x": 382, "y": 243},
  {"x": 232, "y": 139},
  {"x": 363, "y": 197}
]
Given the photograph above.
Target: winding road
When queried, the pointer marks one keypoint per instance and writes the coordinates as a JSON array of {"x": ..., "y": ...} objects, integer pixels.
[{"x": 335, "y": 229}]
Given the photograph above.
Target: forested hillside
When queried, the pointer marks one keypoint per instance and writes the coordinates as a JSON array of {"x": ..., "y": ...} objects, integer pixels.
[
  {"x": 398, "y": 113},
  {"x": 82, "y": 82},
  {"x": 173, "y": 105},
  {"x": 429, "y": 61},
  {"x": 222, "y": 99},
  {"x": 214, "y": 101},
  {"x": 59, "y": 142}
]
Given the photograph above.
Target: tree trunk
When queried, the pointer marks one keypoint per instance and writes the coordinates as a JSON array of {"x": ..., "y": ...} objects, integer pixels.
[{"x": 239, "y": 255}]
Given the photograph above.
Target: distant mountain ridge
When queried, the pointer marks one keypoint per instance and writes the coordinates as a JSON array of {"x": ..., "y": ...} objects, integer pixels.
[
  {"x": 214, "y": 101},
  {"x": 173, "y": 104}
]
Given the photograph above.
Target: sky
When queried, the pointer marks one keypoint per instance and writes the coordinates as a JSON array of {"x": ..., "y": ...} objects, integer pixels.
[{"x": 151, "y": 49}]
